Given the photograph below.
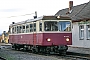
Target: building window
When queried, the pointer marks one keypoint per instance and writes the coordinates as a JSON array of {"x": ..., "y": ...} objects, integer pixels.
[
  {"x": 88, "y": 31},
  {"x": 81, "y": 32}
]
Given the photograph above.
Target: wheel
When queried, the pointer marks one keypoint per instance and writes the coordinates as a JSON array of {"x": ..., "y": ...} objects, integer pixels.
[
  {"x": 62, "y": 53},
  {"x": 47, "y": 51}
]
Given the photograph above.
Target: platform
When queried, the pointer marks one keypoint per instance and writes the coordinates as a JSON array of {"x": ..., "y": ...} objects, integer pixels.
[
  {"x": 79, "y": 50},
  {"x": 5, "y": 45}
]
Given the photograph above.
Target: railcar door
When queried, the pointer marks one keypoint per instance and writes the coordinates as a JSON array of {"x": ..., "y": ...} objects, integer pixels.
[{"x": 34, "y": 33}]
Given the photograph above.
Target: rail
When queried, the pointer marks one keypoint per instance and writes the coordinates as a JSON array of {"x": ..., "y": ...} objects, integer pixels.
[
  {"x": 1, "y": 58},
  {"x": 77, "y": 57}
]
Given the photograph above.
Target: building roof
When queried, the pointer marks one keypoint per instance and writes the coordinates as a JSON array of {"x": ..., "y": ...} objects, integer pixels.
[{"x": 78, "y": 12}]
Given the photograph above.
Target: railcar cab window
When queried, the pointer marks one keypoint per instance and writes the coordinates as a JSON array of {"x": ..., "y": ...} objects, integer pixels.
[
  {"x": 64, "y": 26},
  {"x": 50, "y": 26},
  {"x": 20, "y": 28},
  {"x": 13, "y": 30},
  {"x": 57, "y": 26},
  {"x": 9, "y": 30},
  {"x": 34, "y": 27},
  {"x": 23, "y": 29}
]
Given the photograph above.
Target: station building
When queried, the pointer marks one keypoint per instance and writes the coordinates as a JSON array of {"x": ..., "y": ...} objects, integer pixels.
[
  {"x": 0, "y": 37},
  {"x": 80, "y": 16},
  {"x": 5, "y": 37}
]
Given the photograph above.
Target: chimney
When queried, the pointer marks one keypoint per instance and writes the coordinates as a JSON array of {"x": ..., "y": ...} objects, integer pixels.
[
  {"x": 70, "y": 5},
  {"x": 13, "y": 22},
  {"x": 35, "y": 15}
]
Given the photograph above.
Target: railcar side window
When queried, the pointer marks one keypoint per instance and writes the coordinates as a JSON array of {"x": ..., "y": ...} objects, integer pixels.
[
  {"x": 31, "y": 27},
  {"x": 20, "y": 28},
  {"x": 27, "y": 28},
  {"x": 40, "y": 26},
  {"x": 34, "y": 26},
  {"x": 64, "y": 26},
  {"x": 17, "y": 29},
  {"x": 50, "y": 26},
  {"x": 23, "y": 29}
]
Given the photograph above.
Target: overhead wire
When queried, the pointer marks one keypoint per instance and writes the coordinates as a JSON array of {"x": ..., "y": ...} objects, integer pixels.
[{"x": 18, "y": 15}]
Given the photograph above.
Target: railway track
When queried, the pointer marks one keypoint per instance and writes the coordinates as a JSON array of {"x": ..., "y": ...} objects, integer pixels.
[
  {"x": 1, "y": 58},
  {"x": 68, "y": 56},
  {"x": 72, "y": 56},
  {"x": 78, "y": 55}
]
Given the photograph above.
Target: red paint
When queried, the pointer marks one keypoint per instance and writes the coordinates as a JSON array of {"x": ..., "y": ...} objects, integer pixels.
[
  {"x": 40, "y": 39},
  {"x": 57, "y": 38}
]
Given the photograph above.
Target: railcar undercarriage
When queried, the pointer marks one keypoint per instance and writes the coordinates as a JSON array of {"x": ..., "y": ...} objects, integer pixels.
[{"x": 61, "y": 49}]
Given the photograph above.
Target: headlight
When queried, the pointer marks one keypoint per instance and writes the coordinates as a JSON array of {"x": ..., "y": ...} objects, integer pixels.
[
  {"x": 48, "y": 39},
  {"x": 67, "y": 39}
]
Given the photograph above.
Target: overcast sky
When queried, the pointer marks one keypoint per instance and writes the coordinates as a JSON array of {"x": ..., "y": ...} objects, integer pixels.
[{"x": 18, "y": 8}]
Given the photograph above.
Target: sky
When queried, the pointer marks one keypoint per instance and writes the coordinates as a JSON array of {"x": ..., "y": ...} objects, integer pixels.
[{"x": 25, "y": 9}]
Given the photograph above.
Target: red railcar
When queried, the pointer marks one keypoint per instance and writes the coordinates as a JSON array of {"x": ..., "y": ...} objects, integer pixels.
[{"x": 43, "y": 34}]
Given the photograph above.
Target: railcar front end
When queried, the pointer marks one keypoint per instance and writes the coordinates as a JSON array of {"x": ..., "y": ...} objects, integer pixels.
[{"x": 57, "y": 35}]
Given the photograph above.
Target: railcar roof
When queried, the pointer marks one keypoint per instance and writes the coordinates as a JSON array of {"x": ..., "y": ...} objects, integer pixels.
[{"x": 43, "y": 18}]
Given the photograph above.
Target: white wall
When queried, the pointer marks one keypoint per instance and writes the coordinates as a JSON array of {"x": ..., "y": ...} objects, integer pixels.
[{"x": 76, "y": 42}]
